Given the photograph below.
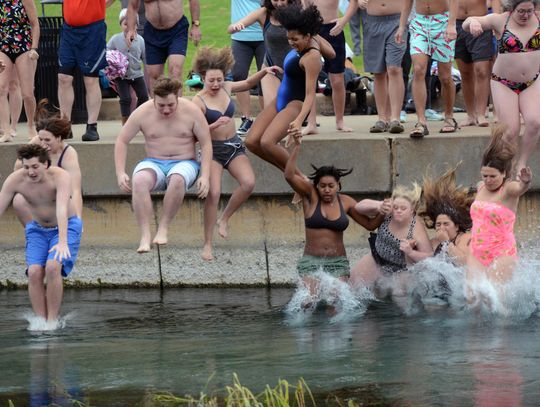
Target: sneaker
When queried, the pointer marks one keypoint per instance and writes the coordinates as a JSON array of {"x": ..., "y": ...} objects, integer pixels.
[
  {"x": 91, "y": 133},
  {"x": 433, "y": 116},
  {"x": 245, "y": 126},
  {"x": 403, "y": 116}
]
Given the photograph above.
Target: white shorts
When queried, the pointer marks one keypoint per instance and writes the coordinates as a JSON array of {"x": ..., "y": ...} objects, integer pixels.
[{"x": 188, "y": 169}]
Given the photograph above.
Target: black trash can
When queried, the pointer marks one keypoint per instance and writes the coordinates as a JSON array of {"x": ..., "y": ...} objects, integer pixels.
[{"x": 46, "y": 80}]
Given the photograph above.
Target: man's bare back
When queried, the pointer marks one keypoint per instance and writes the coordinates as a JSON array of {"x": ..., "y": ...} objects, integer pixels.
[
  {"x": 384, "y": 7},
  {"x": 163, "y": 14}
]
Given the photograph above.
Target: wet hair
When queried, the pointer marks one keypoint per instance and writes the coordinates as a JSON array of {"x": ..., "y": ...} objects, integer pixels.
[
  {"x": 53, "y": 123},
  {"x": 304, "y": 20},
  {"x": 443, "y": 197},
  {"x": 410, "y": 194},
  {"x": 328, "y": 171},
  {"x": 499, "y": 153},
  {"x": 29, "y": 151},
  {"x": 511, "y": 5},
  {"x": 164, "y": 87},
  {"x": 208, "y": 58},
  {"x": 267, "y": 4}
]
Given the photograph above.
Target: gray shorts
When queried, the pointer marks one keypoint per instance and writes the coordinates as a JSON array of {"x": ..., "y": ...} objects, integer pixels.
[
  {"x": 473, "y": 49},
  {"x": 380, "y": 47}
]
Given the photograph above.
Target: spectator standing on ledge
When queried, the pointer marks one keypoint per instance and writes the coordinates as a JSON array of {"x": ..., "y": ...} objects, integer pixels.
[
  {"x": 383, "y": 57},
  {"x": 83, "y": 45},
  {"x": 332, "y": 31},
  {"x": 165, "y": 34},
  {"x": 473, "y": 57},
  {"x": 134, "y": 77},
  {"x": 245, "y": 44},
  {"x": 433, "y": 34}
]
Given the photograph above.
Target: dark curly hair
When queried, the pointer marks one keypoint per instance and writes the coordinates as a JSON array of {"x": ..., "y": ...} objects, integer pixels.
[
  {"x": 304, "y": 20},
  {"x": 328, "y": 170},
  {"x": 267, "y": 4},
  {"x": 53, "y": 123},
  {"x": 443, "y": 197},
  {"x": 499, "y": 153}
]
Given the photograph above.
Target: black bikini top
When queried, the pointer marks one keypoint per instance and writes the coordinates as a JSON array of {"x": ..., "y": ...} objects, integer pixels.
[
  {"x": 318, "y": 221},
  {"x": 213, "y": 115}
]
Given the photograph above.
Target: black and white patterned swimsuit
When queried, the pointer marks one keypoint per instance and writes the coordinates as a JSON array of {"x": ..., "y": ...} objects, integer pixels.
[{"x": 385, "y": 247}]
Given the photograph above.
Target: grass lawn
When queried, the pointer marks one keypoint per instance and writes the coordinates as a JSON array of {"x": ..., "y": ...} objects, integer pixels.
[{"x": 215, "y": 17}]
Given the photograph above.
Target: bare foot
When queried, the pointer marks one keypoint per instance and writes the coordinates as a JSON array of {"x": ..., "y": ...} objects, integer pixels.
[
  {"x": 31, "y": 132},
  {"x": 223, "y": 228},
  {"x": 469, "y": 121},
  {"x": 482, "y": 122},
  {"x": 343, "y": 128},
  {"x": 6, "y": 138},
  {"x": 144, "y": 246},
  {"x": 160, "y": 238},
  {"x": 310, "y": 130},
  {"x": 206, "y": 254}
]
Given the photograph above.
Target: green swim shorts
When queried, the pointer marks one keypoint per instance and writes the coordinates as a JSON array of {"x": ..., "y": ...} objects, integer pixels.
[{"x": 335, "y": 266}]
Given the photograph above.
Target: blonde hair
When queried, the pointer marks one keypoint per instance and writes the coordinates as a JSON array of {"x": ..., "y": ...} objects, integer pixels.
[
  {"x": 412, "y": 195},
  {"x": 208, "y": 58}
]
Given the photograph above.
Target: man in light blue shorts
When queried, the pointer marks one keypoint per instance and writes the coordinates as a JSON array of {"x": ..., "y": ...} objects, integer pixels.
[
  {"x": 171, "y": 126},
  {"x": 54, "y": 235},
  {"x": 432, "y": 34}
]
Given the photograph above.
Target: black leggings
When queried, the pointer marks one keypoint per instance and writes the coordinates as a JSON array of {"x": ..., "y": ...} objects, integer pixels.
[{"x": 123, "y": 86}]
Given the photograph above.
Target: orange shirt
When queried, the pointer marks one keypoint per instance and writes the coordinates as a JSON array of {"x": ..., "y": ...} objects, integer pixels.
[{"x": 83, "y": 12}]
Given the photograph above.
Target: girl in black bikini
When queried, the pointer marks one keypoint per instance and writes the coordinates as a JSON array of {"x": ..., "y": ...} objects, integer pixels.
[
  {"x": 325, "y": 213},
  {"x": 228, "y": 149}
]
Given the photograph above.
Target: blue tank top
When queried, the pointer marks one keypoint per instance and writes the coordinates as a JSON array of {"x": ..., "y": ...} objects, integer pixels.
[
  {"x": 318, "y": 221},
  {"x": 213, "y": 115}
]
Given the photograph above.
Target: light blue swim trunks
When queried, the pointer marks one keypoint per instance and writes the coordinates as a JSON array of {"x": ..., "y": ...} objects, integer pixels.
[
  {"x": 188, "y": 169},
  {"x": 40, "y": 239}
]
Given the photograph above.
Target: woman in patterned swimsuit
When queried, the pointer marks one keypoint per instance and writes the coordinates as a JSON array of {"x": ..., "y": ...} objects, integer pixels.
[
  {"x": 401, "y": 240},
  {"x": 19, "y": 40},
  {"x": 514, "y": 85}
]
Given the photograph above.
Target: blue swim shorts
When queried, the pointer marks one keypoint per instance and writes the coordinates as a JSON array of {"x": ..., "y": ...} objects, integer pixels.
[
  {"x": 159, "y": 44},
  {"x": 163, "y": 169},
  {"x": 84, "y": 47},
  {"x": 39, "y": 240}
]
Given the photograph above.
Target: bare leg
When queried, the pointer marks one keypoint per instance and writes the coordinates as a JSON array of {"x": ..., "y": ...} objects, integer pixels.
[
  {"x": 396, "y": 90},
  {"x": 338, "y": 99},
  {"x": 210, "y": 209},
  {"x": 244, "y": 103},
  {"x": 270, "y": 85},
  {"x": 381, "y": 96},
  {"x": 26, "y": 69},
  {"x": 55, "y": 289},
  {"x": 154, "y": 72},
  {"x": 4, "y": 104},
  {"x": 15, "y": 101},
  {"x": 448, "y": 88},
  {"x": 528, "y": 105},
  {"x": 66, "y": 95},
  {"x": 143, "y": 183},
  {"x": 36, "y": 290},
  {"x": 176, "y": 66},
  {"x": 507, "y": 104},
  {"x": 311, "y": 127},
  {"x": 468, "y": 89},
  {"x": 93, "y": 98},
  {"x": 240, "y": 169},
  {"x": 365, "y": 273},
  {"x": 174, "y": 196},
  {"x": 482, "y": 73},
  {"x": 419, "y": 85}
]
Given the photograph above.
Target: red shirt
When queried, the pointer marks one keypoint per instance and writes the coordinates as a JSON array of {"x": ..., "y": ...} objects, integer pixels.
[{"x": 83, "y": 12}]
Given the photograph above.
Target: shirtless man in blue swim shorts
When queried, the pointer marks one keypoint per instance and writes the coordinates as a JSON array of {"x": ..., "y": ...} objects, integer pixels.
[
  {"x": 166, "y": 33},
  {"x": 171, "y": 126},
  {"x": 54, "y": 235}
]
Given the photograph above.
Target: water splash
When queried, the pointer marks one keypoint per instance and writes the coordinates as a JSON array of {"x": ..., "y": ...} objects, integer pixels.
[
  {"x": 333, "y": 296},
  {"x": 39, "y": 324}
]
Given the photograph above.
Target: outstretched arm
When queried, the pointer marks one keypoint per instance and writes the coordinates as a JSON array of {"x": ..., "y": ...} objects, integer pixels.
[
  {"x": 63, "y": 192},
  {"x": 368, "y": 222},
  {"x": 250, "y": 82},
  {"x": 8, "y": 192},
  {"x": 258, "y": 15},
  {"x": 477, "y": 25}
]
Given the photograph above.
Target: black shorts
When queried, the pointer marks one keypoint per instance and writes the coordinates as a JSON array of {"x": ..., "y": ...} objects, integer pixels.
[
  {"x": 160, "y": 44},
  {"x": 224, "y": 151},
  {"x": 473, "y": 49},
  {"x": 336, "y": 65}
]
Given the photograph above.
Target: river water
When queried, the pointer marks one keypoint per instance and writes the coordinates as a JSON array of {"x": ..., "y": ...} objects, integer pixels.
[{"x": 118, "y": 344}]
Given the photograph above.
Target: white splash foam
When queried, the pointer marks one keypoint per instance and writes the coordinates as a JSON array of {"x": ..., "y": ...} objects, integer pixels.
[{"x": 39, "y": 324}]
